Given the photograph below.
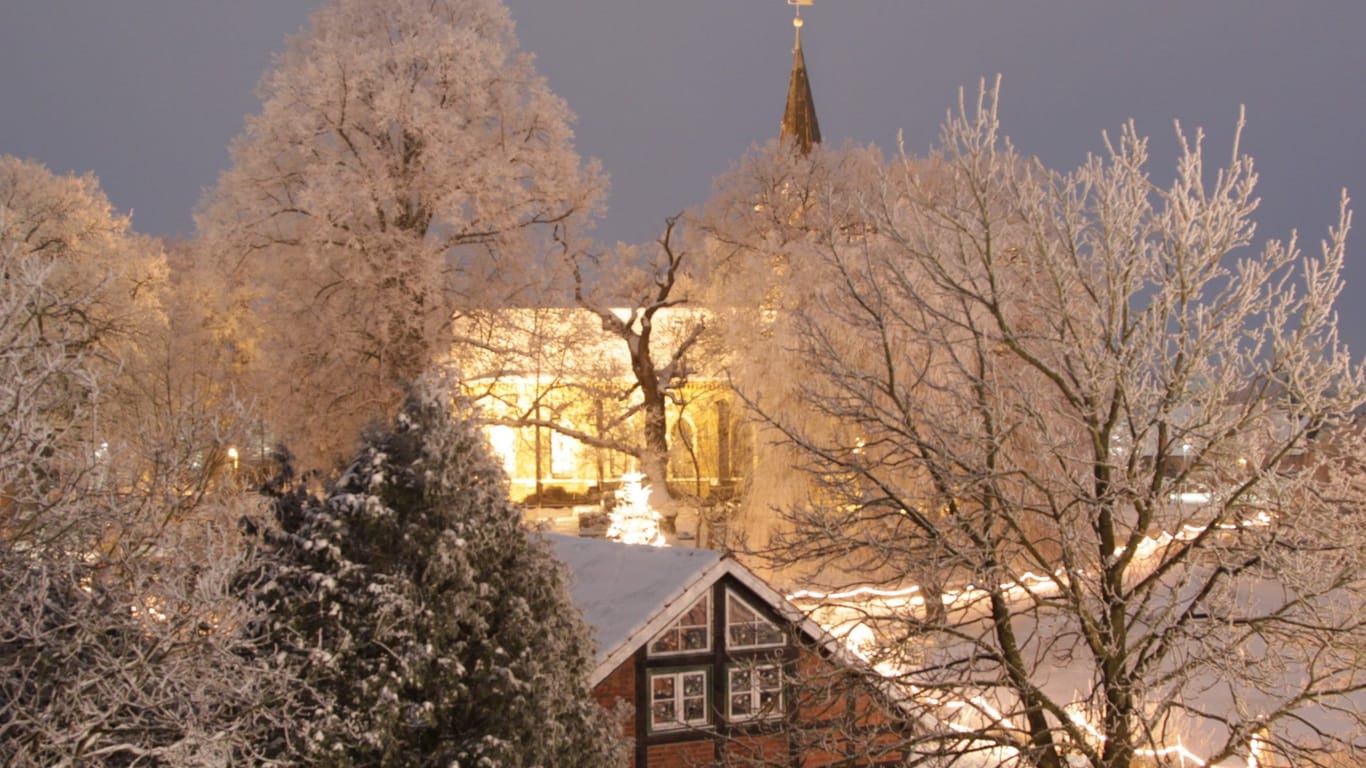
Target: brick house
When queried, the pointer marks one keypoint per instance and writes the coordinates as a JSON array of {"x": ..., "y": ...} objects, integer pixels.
[{"x": 708, "y": 665}]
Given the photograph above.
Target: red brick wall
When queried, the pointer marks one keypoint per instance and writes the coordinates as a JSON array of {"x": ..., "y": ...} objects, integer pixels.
[
  {"x": 855, "y": 719},
  {"x": 757, "y": 751},
  {"x": 617, "y": 692},
  {"x": 683, "y": 754}
]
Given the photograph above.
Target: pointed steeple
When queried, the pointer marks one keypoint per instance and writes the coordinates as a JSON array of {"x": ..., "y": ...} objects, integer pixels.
[{"x": 799, "y": 118}]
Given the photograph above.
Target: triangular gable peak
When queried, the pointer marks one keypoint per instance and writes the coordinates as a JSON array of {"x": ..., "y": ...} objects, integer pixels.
[
  {"x": 631, "y": 594},
  {"x": 748, "y": 626}
]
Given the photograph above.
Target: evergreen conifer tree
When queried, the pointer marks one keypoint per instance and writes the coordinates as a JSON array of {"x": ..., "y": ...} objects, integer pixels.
[{"x": 427, "y": 625}]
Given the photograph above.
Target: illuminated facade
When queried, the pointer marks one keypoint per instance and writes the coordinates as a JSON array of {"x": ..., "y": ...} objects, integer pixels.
[
  {"x": 560, "y": 394},
  {"x": 565, "y": 418}
]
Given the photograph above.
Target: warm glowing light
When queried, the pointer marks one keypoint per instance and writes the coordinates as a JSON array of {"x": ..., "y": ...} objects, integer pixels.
[
  {"x": 861, "y": 640},
  {"x": 503, "y": 441},
  {"x": 633, "y": 520},
  {"x": 1255, "y": 748},
  {"x": 841, "y": 614}
]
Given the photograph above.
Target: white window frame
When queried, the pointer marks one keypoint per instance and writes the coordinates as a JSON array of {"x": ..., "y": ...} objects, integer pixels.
[
  {"x": 680, "y": 698},
  {"x": 760, "y": 620},
  {"x": 755, "y": 692},
  {"x": 678, "y": 628}
]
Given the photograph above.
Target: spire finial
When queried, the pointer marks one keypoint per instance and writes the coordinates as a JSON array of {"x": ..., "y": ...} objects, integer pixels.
[{"x": 797, "y": 19}]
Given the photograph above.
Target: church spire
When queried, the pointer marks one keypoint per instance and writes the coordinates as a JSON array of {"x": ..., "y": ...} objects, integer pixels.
[{"x": 799, "y": 118}]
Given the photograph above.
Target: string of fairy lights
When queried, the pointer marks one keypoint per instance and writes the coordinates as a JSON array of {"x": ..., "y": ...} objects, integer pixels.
[{"x": 833, "y": 610}]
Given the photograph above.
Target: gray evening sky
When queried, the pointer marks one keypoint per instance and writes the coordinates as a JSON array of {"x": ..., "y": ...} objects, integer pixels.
[{"x": 147, "y": 94}]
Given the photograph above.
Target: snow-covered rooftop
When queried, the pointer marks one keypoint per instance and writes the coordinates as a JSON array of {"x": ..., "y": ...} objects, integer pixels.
[
  {"x": 630, "y": 592},
  {"x": 620, "y": 588}
]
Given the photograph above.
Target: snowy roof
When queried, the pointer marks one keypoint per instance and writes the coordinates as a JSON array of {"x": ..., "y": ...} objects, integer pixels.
[
  {"x": 621, "y": 588},
  {"x": 629, "y": 592}
]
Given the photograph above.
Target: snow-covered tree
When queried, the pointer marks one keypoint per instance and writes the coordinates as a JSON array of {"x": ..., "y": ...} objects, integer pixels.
[
  {"x": 606, "y": 365},
  {"x": 80, "y": 293},
  {"x": 632, "y": 299},
  {"x": 105, "y": 400},
  {"x": 186, "y": 394},
  {"x": 430, "y": 626},
  {"x": 117, "y": 661},
  {"x": 119, "y": 641},
  {"x": 1121, "y": 436},
  {"x": 408, "y": 162},
  {"x": 758, "y": 231}
]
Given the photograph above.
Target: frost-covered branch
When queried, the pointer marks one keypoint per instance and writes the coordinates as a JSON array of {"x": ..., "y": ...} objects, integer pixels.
[
  {"x": 1109, "y": 446},
  {"x": 408, "y": 164}
]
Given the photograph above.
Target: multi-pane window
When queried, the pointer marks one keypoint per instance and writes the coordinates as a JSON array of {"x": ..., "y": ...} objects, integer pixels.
[
  {"x": 747, "y": 628},
  {"x": 678, "y": 699},
  {"x": 754, "y": 691},
  {"x": 690, "y": 634}
]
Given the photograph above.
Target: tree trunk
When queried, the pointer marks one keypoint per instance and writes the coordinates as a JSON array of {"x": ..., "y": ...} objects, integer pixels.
[{"x": 654, "y": 461}]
